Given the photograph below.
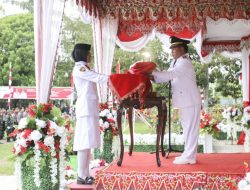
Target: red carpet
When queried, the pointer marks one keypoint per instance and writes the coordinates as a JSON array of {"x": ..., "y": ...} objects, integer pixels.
[{"x": 212, "y": 171}]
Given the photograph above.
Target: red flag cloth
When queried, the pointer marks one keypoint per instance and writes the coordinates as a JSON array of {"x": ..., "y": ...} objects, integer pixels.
[
  {"x": 142, "y": 68},
  {"x": 241, "y": 139},
  {"x": 126, "y": 85}
]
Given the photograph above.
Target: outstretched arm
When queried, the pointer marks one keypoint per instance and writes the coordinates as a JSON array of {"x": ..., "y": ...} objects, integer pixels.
[
  {"x": 165, "y": 76},
  {"x": 87, "y": 74}
]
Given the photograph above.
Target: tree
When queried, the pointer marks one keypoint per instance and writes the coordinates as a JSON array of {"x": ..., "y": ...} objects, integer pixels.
[
  {"x": 73, "y": 31},
  {"x": 223, "y": 72},
  {"x": 219, "y": 78},
  {"x": 17, "y": 48}
]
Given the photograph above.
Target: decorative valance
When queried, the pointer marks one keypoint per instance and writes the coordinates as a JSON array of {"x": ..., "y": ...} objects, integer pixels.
[
  {"x": 220, "y": 46},
  {"x": 166, "y": 15},
  {"x": 245, "y": 42}
]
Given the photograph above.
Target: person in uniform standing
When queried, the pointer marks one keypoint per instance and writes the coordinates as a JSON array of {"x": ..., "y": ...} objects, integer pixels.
[
  {"x": 9, "y": 123},
  {"x": 185, "y": 96},
  {"x": 2, "y": 124},
  {"x": 87, "y": 133}
]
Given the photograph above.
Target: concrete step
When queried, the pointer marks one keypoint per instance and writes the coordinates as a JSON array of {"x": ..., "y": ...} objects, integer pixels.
[{"x": 227, "y": 147}]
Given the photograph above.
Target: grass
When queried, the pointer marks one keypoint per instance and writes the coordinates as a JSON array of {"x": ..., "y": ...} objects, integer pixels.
[
  {"x": 140, "y": 128},
  {"x": 6, "y": 163},
  {"x": 73, "y": 162}
]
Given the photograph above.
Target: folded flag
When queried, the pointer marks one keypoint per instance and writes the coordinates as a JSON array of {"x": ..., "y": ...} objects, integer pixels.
[{"x": 125, "y": 85}]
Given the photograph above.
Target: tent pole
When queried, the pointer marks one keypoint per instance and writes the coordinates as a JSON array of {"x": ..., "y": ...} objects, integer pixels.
[{"x": 170, "y": 149}]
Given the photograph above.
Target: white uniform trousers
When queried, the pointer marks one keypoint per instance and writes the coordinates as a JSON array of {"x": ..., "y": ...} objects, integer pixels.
[
  {"x": 190, "y": 121},
  {"x": 83, "y": 158}
]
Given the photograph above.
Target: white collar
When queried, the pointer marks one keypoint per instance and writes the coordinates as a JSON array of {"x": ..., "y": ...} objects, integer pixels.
[
  {"x": 184, "y": 55},
  {"x": 81, "y": 63}
]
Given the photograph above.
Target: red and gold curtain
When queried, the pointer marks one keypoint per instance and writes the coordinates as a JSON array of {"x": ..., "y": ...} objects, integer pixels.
[{"x": 181, "y": 18}]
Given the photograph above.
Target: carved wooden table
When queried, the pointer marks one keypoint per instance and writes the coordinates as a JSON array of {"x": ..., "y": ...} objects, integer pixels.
[{"x": 160, "y": 103}]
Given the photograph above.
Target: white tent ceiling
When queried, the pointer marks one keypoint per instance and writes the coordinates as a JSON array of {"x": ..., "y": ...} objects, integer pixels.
[{"x": 223, "y": 29}]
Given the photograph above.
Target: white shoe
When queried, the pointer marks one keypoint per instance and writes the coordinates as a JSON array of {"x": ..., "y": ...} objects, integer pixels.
[{"x": 184, "y": 161}]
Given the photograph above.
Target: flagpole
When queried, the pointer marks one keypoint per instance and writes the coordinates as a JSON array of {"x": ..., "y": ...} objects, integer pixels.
[{"x": 10, "y": 82}]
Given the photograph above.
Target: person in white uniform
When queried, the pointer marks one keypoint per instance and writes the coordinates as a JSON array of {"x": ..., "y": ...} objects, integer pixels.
[
  {"x": 87, "y": 133},
  {"x": 185, "y": 96}
]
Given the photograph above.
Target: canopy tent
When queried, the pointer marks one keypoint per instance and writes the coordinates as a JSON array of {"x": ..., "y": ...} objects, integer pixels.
[
  {"x": 212, "y": 25},
  {"x": 29, "y": 93},
  {"x": 221, "y": 25}
]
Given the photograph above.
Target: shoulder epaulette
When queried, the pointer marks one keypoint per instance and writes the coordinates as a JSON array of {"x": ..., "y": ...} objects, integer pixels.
[{"x": 82, "y": 69}]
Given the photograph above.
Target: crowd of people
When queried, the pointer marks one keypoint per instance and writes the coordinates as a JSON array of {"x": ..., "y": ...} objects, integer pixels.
[{"x": 10, "y": 118}]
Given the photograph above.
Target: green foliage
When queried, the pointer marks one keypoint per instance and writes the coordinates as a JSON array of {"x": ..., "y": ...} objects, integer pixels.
[
  {"x": 247, "y": 125},
  {"x": 201, "y": 71},
  {"x": 44, "y": 112},
  {"x": 28, "y": 178},
  {"x": 97, "y": 153},
  {"x": 224, "y": 73},
  {"x": 32, "y": 123},
  {"x": 150, "y": 115},
  {"x": 56, "y": 112},
  {"x": 60, "y": 121},
  {"x": 17, "y": 47},
  {"x": 107, "y": 147},
  {"x": 106, "y": 153}
]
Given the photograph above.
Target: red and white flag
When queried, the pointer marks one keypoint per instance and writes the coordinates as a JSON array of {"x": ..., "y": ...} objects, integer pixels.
[{"x": 10, "y": 88}]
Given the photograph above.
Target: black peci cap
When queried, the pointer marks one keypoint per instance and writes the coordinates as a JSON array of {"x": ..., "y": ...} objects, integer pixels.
[
  {"x": 80, "y": 52},
  {"x": 177, "y": 42}
]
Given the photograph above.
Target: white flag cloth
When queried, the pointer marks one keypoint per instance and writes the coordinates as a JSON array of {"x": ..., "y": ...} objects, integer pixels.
[{"x": 47, "y": 24}]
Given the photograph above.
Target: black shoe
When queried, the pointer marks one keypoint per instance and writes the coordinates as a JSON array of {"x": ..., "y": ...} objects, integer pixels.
[
  {"x": 86, "y": 181},
  {"x": 92, "y": 178}
]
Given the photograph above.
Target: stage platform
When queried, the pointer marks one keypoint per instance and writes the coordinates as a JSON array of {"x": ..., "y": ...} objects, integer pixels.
[
  {"x": 139, "y": 172},
  {"x": 75, "y": 186}
]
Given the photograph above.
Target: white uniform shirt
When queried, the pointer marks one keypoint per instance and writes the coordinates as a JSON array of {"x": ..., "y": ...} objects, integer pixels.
[
  {"x": 185, "y": 92},
  {"x": 85, "y": 82}
]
